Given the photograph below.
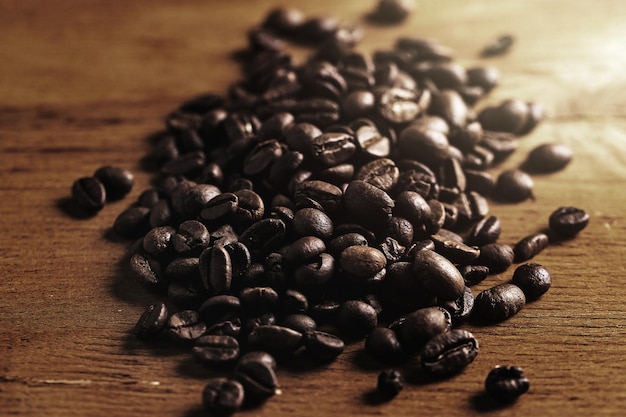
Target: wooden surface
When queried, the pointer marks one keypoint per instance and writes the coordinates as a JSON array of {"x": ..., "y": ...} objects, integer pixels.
[{"x": 82, "y": 83}]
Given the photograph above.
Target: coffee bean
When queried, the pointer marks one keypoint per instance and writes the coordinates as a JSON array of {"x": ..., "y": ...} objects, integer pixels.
[
  {"x": 473, "y": 274},
  {"x": 509, "y": 116},
  {"x": 256, "y": 300},
  {"x": 498, "y": 46},
  {"x": 533, "y": 279},
  {"x": 499, "y": 302},
  {"x": 548, "y": 158},
  {"x": 263, "y": 235},
  {"x": 383, "y": 344},
  {"x": 438, "y": 275},
  {"x": 312, "y": 222},
  {"x": 367, "y": 203},
  {"x": 341, "y": 242},
  {"x": 331, "y": 149},
  {"x": 191, "y": 238},
  {"x": 455, "y": 252},
  {"x": 479, "y": 181},
  {"x": 513, "y": 186},
  {"x": 496, "y": 256},
  {"x": 275, "y": 339},
  {"x": 151, "y": 322},
  {"x": 530, "y": 246},
  {"x": 462, "y": 307},
  {"x": 448, "y": 104},
  {"x": 413, "y": 207},
  {"x": 422, "y": 325},
  {"x": 284, "y": 20},
  {"x": 392, "y": 11},
  {"x": 485, "y": 77},
  {"x": 355, "y": 318},
  {"x": 484, "y": 232},
  {"x": 218, "y": 308},
  {"x": 389, "y": 383},
  {"x": 256, "y": 371},
  {"x": 184, "y": 326},
  {"x": 216, "y": 270},
  {"x": 160, "y": 214},
  {"x": 158, "y": 241},
  {"x": 323, "y": 346},
  {"x": 398, "y": 105},
  {"x": 220, "y": 207},
  {"x": 299, "y": 322},
  {"x": 567, "y": 221},
  {"x": 116, "y": 181},
  {"x": 362, "y": 261},
  {"x": 148, "y": 271},
  {"x": 305, "y": 249},
  {"x": 327, "y": 195},
  {"x": 449, "y": 353},
  {"x": 222, "y": 397},
  {"x": 216, "y": 349},
  {"x": 506, "y": 383},
  {"x": 89, "y": 194},
  {"x": 427, "y": 146}
]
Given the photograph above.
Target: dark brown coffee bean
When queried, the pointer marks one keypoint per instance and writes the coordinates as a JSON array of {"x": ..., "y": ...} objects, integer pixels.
[
  {"x": 160, "y": 214},
  {"x": 263, "y": 235},
  {"x": 323, "y": 346},
  {"x": 485, "y": 77},
  {"x": 498, "y": 46},
  {"x": 216, "y": 270},
  {"x": 189, "y": 164},
  {"x": 513, "y": 186},
  {"x": 427, "y": 146},
  {"x": 256, "y": 371},
  {"x": 304, "y": 249},
  {"x": 132, "y": 222},
  {"x": 151, "y": 322},
  {"x": 413, "y": 207},
  {"x": 341, "y": 242},
  {"x": 473, "y": 274},
  {"x": 496, "y": 256},
  {"x": 215, "y": 349},
  {"x": 355, "y": 318},
  {"x": 367, "y": 203},
  {"x": 462, "y": 307},
  {"x": 568, "y": 221},
  {"x": 548, "y": 158},
  {"x": 392, "y": 11},
  {"x": 506, "y": 383},
  {"x": 89, "y": 194},
  {"x": 299, "y": 322},
  {"x": 158, "y": 241},
  {"x": 327, "y": 195},
  {"x": 116, "y": 181},
  {"x": 362, "y": 261},
  {"x": 312, "y": 222},
  {"x": 148, "y": 271},
  {"x": 499, "y": 302},
  {"x": 438, "y": 275},
  {"x": 449, "y": 353},
  {"x": 383, "y": 344},
  {"x": 509, "y": 116},
  {"x": 485, "y": 231},
  {"x": 422, "y": 325},
  {"x": 382, "y": 173},
  {"x": 222, "y": 397},
  {"x": 533, "y": 279},
  {"x": 330, "y": 149},
  {"x": 258, "y": 300},
  {"x": 448, "y": 104},
  {"x": 194, "y": 199},
  {"x": 184, "y": 326},
  {"x": 455, "y": 252},
  {"x": 315, "y": 273},
  {"x": 191, "y": 238},
  {"x": 530, "y": 246},
  {"x": 275, "y": 339},
  {"x": 479, "y": 181},
  {"x": 536, "y": 113},
  {"x": 358, "y": 103}
]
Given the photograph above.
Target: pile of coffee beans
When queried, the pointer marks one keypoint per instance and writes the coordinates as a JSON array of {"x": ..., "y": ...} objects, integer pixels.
[{"x": 342, "y": 199}]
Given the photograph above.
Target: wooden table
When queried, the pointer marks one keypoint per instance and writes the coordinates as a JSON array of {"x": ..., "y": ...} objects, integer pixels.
[{"x": 82, "y": 84}]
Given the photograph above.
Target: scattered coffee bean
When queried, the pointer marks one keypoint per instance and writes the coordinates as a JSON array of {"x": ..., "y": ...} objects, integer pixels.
[
  {"x": 530, "y": 246},
  {"x": 533, "y": 279},
  {"x": 513, "y": 186},
  {"x": 256, "y": 371},
  {"x": 499, "y": 302},
  {"x": 222, "y": 397},
  {"x": 323, "y": 346},
  {"x": 390, "y": 382},
  {"x": 151, "y": 321},
  {"x": 548, "y": 158},
  {"x": 506, "y": 383},
  {"x": 498, "y": 46},
  {"x": 116, "y": 181},
  {"x": 89, "y": 194},
  {"x": 449, "y": 353},
  {"x": 568, "y": 221}
]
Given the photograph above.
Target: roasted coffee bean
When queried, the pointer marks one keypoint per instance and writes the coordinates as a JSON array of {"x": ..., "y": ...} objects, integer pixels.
[
  {"x": 263, "y": 235},
  {"x": 506, "y": 383},
  {"x": 372, "y": 142},
  {"x": 548, "y": 158},
  {"x": 355, "y": 318},
  {"x": 250, "y": 207},
  {"x": 226, "y": 328},
  {"x": 389, "y": 383},
  {"x": 323, "y": 346},
  {"x": 312, "y": 222},
  {"x": 362, "y": 261},
  {"x": 256, "y": 300},
  {"x": 498, "y": 46},
  {"x": 222, "y": 397},
  {"x": 283, "y": 168},
  {"x": 449, "y": 353},
  {"x": 462, "y": 307},
  {"x": 89, "y": 194},
  {"x": 485, "y": 77},
  {"x": 401, "y": 230},
  {"x": 382, "y": 173},
  {"x": 292, "y": 301},
  {"x": 533, "y": 279},
  {"x": 256, "y": 371},
  {"x": 438, "y": 275},
  {"x": 398, "y": 105},
  {"x": 148, "y": 271},
  {"x": 151, "y": 322},
  {"x": 339, "y": 174},
  {"x": 284, "y": 20},
  {"x": 509, "y": 116},
  {"x": 513, "y": 186},
  {"x": 262, "y": 319},
  {"x": 304, "y": 249},
  {"x": 359, "y": 103},
  {"x": 499, "y": 302},
  {"x": 220, "y": 207},
  {"x": 194, "y": 199},
  {"x": 191, "y": 238},
  {"x": 299, "y": 322},
  {"x": 567, "y": 221},
  {"x": 367, "y": 203},
  {"x": 383, "y": 344},
  {"x": 391, "y": 249},
  {"x": 315, "y": 273},
  {"x": 275, "y": 339},
  {"x": 341, "y": 242},
  {"x": 392, "y": 11},
  {"x": 530, "y": 246},
  {"x": 413, "y": 207},
  {"x": 216, "y": 349},
  {"x": 473, "y": 274},
  {"x": 422, "y": 325},
  {"x": 189, "y": 164},
  {"x": 299, "y": 137},
  {"x": 160, "y": 214},
  {"x": 158, "y": 241},
  {"x": 185, "y": 326},
  {"x": 496, "y": 256},
  {"x": 330, "y": 149},
  {"x": 500, "y": 145},
  {"x": 536, "y": 113},
  {"x": 485, "y": 231},
  {"x": 116, "y": 181},
  {"x": 455, "y": 252},
  {"x": 448, "y": 104},
  {"x": 327, "y": 195},
  {"x": 325, "y": 311},
  {"x": 148, "y": 198},
  {"x": 427, "y": 146},
  {"x": 218, "y": 308},
  {"x": 216, "y": 270}
]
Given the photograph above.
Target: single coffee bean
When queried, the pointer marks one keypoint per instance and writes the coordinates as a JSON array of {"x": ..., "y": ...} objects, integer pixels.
[
  {"x": 473, "y": 274},
  {"x": 485, "y": 77},
  {"x": 261, "y": 157},
  {"x": 392, "y": 11},
  {"x": 158, "y": 241},
  {"x": 116, "y": 181},
  {"x": 216, "y": 270},
  {"x": 160, "y": 214},
  {"x": 536, "y": 113},
  {"x": 151, "y": 321},
  {"x": 381, "y": 172},
  {"x": 216, "y": 349},
  {"x": 455, "y": 252},
  {"x": 513, "y": 186},
  {"x": 566, "y": 222},
  {"x": 498, "y": 46},
  {"x": 299, "y": 322},
  {"x": 275, "y": 339},
  {"x": 256, "y": 371},
  {"x": 533, "y": 279},
  {"x": 530, "y": 246},
  {"x": 325, "y": 194},
  {"x": 222, "y": 397},
  {"x": 413, "y": 207},
  {"x": 132, "y": 222},
  {"x": 263, "y": 235},
  {"x": 218, "y": 308},
  {"x": 226, "y": 328},
  {"x": 383, "y": 344},
  {"x": 509, "y": 116},
  {"x": 372, "y": 142},
  {"x": 438, "y": 275},
  {"x": 330, "y": 149},
  {"x": 499, "y": 302},
  {"x": 185, "y": 326},
  {"x": 304, "y": 249},
  {"x": 484, "y": 232},
  {"x": 506, "y": 383},
  {"x": 292, "y": 302},
  {"x": 341, "y": 242},
  {"x": 548, "y": 158},
  {"x": 462, "y": 307},
  {"x": 188, "y": 164},
  {"x": 448, "y": 104},
  {"x": 312, "y": 222},
  {"x": 398, "y": 105},
  {"x": 315, "y": 273},
  {"x": 496, "y": 256},
  {"x": 427, "y": 146},
  {"x": 389, "y": 383},
  {"x": 191, "y": 238},
  {"x": 362, "y": 261},
  {"x": 89, "y": 194},
  {"x": 422, "y": 325},
  {"x": 367, "y": 203},
  {"x": 148, "y": 271},
  {"x": 449, "y": 353},
  {"x": 355, "y": 318},
  {"x": 323, "y": 346},
  {"x": 257, "y": 300}
]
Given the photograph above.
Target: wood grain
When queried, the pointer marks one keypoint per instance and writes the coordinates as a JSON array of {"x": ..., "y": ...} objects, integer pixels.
[{"x": 82, "y": 84}]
